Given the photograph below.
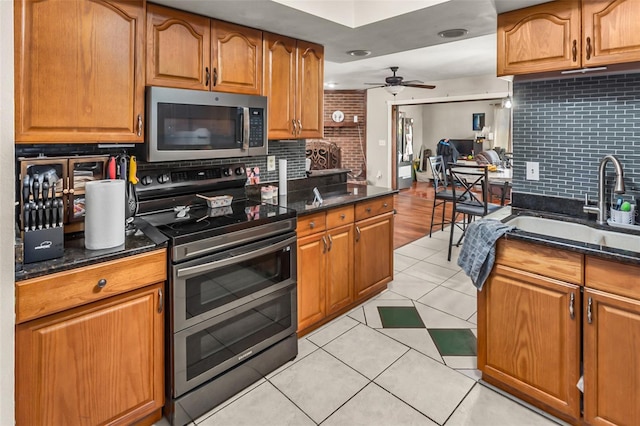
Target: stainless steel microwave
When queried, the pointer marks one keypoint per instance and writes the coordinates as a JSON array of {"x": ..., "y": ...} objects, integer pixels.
[{"x": 194, "y": 125}]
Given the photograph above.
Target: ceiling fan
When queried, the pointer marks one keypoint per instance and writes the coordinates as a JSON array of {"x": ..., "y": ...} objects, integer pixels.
[{"x": 396, "y": 84}]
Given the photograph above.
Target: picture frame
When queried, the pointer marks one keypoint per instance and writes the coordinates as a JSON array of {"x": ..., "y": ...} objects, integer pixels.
[{"x": 478, "y": 121}]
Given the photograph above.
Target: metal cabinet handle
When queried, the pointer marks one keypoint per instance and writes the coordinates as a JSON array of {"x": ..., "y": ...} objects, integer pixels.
[
  {"x": 330, "y": 242},
  {"x": 102, "y": 283},
  {"x": 572, "y": 300},
  {"x": 293, "y": 132},
  {"x": 139, "y": 125},
  {"x": 589, "y": 315},
  {"x": 574, "y": 50},
  {"x": 324, "y": 242},
  {"x": 588, "y": 48},
  {"x": 160, "y": 301},
  {"x": 215, "y": 76},
  {"x": 299, "y": 126},
  {"x": 312, "y": 225},
  {"x": 343, "y": 216},
  {"x": 207, "y": 76},
  {"x": 368, "y": 209},
  {"x": 357, "y": 234},
  {"x": 385, "y": 205}
]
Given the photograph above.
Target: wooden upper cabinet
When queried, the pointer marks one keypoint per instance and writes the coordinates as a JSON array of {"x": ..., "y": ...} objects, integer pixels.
[
  {"x": 237, "y": 58},
  {"x": 178, "y": 49},
  {"x": 310, "y": 94},
  {"x": 280, "y": 74},
  {"x": 610, "y": 31},
  {"x": 79, "y": 71},
  {"x": 539, "y": 38},
  {"x": 568, "y": 34}
]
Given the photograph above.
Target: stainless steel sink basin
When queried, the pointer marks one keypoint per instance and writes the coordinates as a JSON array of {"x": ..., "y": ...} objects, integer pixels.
[{"x": 576, "y": 232}]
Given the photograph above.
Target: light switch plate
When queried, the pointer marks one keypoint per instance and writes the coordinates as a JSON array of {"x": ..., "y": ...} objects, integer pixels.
[
  {"x": 271, "y": 163},
  {"x": 533, "y": 170},
  {"x": 382, "y": 142}
]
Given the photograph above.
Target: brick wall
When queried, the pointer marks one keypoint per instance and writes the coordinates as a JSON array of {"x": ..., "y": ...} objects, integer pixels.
[
  {"x": 352, "y": 138},
  {"x": 569, "y": 125}
]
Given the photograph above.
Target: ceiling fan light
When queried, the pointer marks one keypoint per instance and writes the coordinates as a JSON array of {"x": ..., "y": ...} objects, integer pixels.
[{"x": 394, "y": 90}]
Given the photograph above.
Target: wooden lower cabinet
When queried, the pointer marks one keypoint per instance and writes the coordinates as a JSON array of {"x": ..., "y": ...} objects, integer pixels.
[
  {"x": 373, "y": 254},
  {"x": 339, "y": 288},
  {"x": 530, "y": 337},
  {"x": 312, "y": 274},
  {"x": 101, "y": 363},
  {"x": 611, "y": 364}
]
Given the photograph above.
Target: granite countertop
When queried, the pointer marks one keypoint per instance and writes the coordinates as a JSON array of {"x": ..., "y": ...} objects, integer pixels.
[
  {"x": 143, "y": 239},
  {"x": 302, "y": 201},
  {"x": 507, "y": 213}
]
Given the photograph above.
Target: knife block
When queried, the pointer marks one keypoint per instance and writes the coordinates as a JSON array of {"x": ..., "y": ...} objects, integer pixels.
[{"x": 43, "y": 244}]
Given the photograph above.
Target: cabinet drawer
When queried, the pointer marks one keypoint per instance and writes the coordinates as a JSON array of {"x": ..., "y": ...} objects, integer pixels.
[
  {"x": 546, "y": 261},
  {"x": 611, "y": 276},
  {"x": 45, "y": 295},
  {"x": 339, "y": 216},
  {"x": 310, "y": 224},
  {"x": 375, "y": 207}
]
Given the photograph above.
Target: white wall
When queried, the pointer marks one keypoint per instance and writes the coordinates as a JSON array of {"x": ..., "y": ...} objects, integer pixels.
[
  {"x": 379, "y": 115},
  {"x": 7, "y": 213}
]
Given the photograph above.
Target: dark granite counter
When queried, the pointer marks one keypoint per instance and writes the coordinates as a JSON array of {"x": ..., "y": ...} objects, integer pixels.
[
  {"x": 145, "y": 238},
  {"x": 302, "y": 202}
]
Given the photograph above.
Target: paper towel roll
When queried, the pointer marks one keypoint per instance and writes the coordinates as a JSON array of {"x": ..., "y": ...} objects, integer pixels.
[
  {"x": 104, "y": 219},
  {"x": 282, "y": 177}
]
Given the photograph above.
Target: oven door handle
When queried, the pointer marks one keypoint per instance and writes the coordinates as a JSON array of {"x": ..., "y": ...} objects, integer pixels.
[{"x": 190, "y": 270}]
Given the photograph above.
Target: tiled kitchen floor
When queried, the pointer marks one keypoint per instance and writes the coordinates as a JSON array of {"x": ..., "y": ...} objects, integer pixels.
[{"x": 406, "y": 357}]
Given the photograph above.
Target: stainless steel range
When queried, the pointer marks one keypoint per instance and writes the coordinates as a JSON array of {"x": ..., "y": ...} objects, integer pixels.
[{"x": 232, "y": 315}]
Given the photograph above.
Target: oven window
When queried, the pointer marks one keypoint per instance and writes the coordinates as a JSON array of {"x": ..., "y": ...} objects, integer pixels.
[
  {"x": 219, "y": 287},
  {"x": 196, "y": 127},
  {"x": 231, "y": 338}
]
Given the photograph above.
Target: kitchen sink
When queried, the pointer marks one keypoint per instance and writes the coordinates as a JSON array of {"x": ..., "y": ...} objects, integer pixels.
[{"x": 576, "y": 232}]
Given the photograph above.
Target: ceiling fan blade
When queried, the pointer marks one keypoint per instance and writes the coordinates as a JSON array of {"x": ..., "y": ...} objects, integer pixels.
[
  {"x": 421, "y": 86},
  {"x": 374, "y": 84},
  {"x": 375, "y": 87},
  {"x": 412, "y": 82}
]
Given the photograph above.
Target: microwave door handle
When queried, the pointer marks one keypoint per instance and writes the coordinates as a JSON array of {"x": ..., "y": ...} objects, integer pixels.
[
  {"x": 196, "y": 269},
  {"x": 245, "y": 128}
]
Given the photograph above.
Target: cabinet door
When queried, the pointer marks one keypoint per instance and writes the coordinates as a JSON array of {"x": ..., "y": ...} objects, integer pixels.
[
  {"x": 237, "y": 58},
  {"x": 610, "y": 32},
  {"x": 539, "y": 38},
  {"x": 82, "y": 81},
  {"x": 339, "y": 268},
  {"x": 611, "y": 367},
  {"x": 311, "y": 279},
  {"x": 280, "y": 84},
  {"x": 96, "y": 364},
  {"x": 178, "y": 49},
  {"x": 310, "y": 90},
  {"x": 529, "y": 337},
  {"x": 373, "y": 254}
]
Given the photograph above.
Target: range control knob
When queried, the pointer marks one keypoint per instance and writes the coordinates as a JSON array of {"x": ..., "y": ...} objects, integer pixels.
[
  {"x": 146, "y": 180},
  {"x": 227, "y": 172},
  {"x": 239, "y": 171},
  {"x": 163, "y": 178}
]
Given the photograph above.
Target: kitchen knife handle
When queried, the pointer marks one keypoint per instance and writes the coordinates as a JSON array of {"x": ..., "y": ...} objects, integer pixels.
[
  {"x": 39, "y": 214},
  {"x": 54, "y": 213},
  {"x": 32, "y": 209},
  {"x": 60, "y": 212},
  {"x": 45, "y": 189},
  {"x": 133, "y": 170},
  {"x": 26, "y": 189},
  {"x": 122, "y": 160},
  {"x": 36, "y": 188},
  {"x": 111, "y": 168},
  {"x": 27, "y": 214},
  {"x": 47, "y": 213}
]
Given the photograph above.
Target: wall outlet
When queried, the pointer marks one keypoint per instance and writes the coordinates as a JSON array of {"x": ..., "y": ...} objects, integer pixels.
[
  {"x": 355, "y": 118},
  {"x": 533, "y": 170},
  {"x": 379, "y": 175},
  {"x": 382, "y": 142},
  {"x": 271, "y": 163}
]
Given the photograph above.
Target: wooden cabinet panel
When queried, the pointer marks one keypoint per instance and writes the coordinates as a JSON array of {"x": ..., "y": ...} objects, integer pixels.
[
  {"x": 82, "y": 81},
  {"x": 97, "y": 364},
  {"x": 310, "y": 91},
  {"x": 311, "y": 223},
  {"x": 373, "y": 254},
  {"x": 339, "y": 268},
  {"x": 611, "y": 368},
  {"x": 614, "y": 277},
  {"x": 311, "y": 279},
  {"x": 529, "y": 337},
  {"x": 375, "y": 207},
  {"x": 548, "y": 261},
  {"x": 52, "y": 293},
  {"x": 237, "y": 58},
  {"x": 610, "y": 31},
  {"x": 280, "y": 61},
  {"x": 178, "y": 48},
  {"x": 339, "y": 216}
]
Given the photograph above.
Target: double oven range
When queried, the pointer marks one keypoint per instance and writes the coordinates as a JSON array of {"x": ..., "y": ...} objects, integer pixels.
[{"x": 232, "y": 306}]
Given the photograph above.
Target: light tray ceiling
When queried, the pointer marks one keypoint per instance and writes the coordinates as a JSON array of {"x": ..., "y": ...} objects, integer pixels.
[{"x": 401, "y": 33}]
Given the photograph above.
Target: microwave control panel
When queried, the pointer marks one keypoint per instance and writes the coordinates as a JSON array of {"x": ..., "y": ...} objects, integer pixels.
[{"x": 256, "y": 127}]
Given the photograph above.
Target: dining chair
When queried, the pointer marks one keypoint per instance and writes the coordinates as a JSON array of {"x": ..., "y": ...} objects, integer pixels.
[
  {"x": 472, "y": 183},
  {"x": 440, "y": 186}
]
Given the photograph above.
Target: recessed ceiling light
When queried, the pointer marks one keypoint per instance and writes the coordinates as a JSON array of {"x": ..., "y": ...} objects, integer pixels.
[
  {"x": 453, "y": 33},
  {"x": 359, "y": 52}
]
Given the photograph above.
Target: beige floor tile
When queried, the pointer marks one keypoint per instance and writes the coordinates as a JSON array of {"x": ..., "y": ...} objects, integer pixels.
[
  {"x": 461, "y": 362},
  {"x": 410, "y": 286},
  {"x": 416, "y": 338},
  {"x": 305, "y": 347},
  {"x": 471, "y": 373},
  {"x": 357, "y": 314},
  {"x": 330, "y": 331},
  {"x": 430, "y": 272},
  {"x": 434, "y": 318},
  {"x": 415, "y": 251},
  {"x": 462, "y": 283},
  {"x": 450, "y": 301},
  {"x": 434, "y": 243},
  {"x": 402, "y": 262}
]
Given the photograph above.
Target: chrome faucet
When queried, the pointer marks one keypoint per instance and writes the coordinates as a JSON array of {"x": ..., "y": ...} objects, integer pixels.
[{"x": 600, "y": 208}]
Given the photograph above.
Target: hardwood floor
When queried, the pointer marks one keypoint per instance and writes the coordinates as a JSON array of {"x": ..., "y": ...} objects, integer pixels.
[{"x": 413, "y": 213}]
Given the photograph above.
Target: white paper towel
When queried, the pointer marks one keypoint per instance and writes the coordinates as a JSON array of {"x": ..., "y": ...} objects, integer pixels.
[
  {"x": 282, "y": 177},
  {"x": 104, "y": 220}
]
